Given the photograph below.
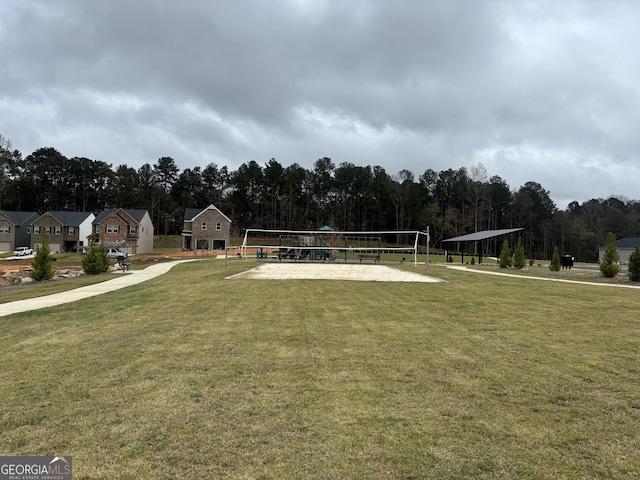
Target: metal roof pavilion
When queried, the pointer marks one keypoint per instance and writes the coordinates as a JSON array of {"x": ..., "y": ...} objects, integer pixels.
[
  {"x": 479, "y": 236},
  {"x": 483, "y": 235}
]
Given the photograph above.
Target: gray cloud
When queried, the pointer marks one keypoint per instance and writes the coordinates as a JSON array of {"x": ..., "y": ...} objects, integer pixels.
[{"x": 541, "y": 91}]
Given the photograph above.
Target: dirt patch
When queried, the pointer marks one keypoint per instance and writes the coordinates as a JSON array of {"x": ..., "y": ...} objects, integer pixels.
[{"x": 326, "y": 271}]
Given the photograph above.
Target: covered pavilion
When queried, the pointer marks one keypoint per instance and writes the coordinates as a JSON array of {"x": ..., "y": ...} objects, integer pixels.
[{"x": 479, "y": 237}]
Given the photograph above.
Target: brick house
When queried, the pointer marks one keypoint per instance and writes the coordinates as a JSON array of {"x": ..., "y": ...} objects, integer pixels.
[
  {"x": 15, "y": 229},
  {"x": 205, "y": 229},
  {"x": 129, "y": 230},
  {"x": 66, "y": 231}
]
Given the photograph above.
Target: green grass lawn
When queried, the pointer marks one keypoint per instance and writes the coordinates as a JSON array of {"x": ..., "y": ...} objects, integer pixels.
[{"x": 193, "y": 376}]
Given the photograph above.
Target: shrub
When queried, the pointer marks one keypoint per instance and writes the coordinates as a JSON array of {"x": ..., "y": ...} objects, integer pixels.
[
  {"x": 505, "y": 255},
  {"x": 519, "y": 258},
  {"x": 634, "y": 264},
  {"x": 610, "y": 264},
  {"x": 95, "y": 260},
  {"x": 42, "y": 263},
  {"x": 555, "y": 260}
]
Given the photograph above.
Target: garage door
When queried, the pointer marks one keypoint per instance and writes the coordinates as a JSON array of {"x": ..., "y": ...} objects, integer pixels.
[
  {"x": 5, "y": 246},
  {"x": 53, "y": 247}
]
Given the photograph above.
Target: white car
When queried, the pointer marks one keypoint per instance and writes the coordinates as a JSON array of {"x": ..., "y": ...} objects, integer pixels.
[
  {"x": 22, "y": 251},
  {"x": 115, "y": 253}
]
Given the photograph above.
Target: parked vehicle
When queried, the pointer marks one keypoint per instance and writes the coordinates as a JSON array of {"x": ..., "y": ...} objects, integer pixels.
[
  {"x": 22, "y": 251},
  {"x": 115, "y": 253}
]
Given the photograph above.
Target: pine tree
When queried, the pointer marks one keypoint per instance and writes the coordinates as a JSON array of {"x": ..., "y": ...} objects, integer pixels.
[
  {"x": 519, "y": 258},
  {"x": 555, "y": 260},
  {"x": 505, "y": 255},
  {"x": 634, "y": 264},
  {"x": 610, "y": 263},
  {"x": 95, "y": 260},
  {"x": 42, "y": 263}
]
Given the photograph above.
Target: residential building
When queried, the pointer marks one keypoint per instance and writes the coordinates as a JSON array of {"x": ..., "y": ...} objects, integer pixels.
[
  {"x": 129, "y": 230},
  {"x": 15, "y": 229},
  {"x": 205, "y": 229},
  {"x": 66, "y": 231},
  {"x": 625, "y": 247}
]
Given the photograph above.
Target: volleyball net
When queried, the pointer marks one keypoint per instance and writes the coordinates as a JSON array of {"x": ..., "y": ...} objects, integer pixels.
[{"x": 332, "y": 245}]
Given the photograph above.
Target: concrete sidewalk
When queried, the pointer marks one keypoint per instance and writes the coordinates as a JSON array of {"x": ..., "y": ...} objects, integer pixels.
[{"x": 132, "y": 277}]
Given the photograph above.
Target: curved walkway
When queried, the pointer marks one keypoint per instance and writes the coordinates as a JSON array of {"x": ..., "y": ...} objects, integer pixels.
[
  {"x": 133, "y": 277},
  {"x": 579, "y": 282}
]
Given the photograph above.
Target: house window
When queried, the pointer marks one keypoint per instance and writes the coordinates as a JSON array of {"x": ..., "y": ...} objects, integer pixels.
[
  {"x": 47, "y": 230},
  {"x": 113, "y": 228},
  {"x": 29, "y": 230},
  {"x": 97, "y": 229},
  {"x": 58, "y": 230},
  {"x": 36, "y": 229},
  {"x": 133, "y": 230},
  {"x": 218, "y": 226},
  {"x": 5, "y": 229},
  {"x": 72, "y": 230},
  {"x": 204, "y": 225}
]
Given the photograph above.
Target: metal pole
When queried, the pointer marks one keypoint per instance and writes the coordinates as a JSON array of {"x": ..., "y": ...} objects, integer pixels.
[
  {"x": 226, "y": 248},
  {"x": 428, "y": 241}
]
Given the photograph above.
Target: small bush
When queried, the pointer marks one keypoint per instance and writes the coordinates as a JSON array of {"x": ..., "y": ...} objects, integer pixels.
[
  {"x": 519, "y": 258},
  {"x": 610, "y": 264},
  {"x": 42, "y": 263},
  {"x": 505, "y": 255},
  {"x": 95, "y": 260}
]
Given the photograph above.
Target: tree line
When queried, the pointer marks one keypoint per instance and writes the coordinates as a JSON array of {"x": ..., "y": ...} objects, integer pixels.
[{"x": 450, "y": 202}]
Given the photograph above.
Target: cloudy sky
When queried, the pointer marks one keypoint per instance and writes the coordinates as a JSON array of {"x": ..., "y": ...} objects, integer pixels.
[{"x": 543, "y": 91}]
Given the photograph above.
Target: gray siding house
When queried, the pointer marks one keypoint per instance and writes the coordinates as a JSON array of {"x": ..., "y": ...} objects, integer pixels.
[{"x": 625, "y": 248}]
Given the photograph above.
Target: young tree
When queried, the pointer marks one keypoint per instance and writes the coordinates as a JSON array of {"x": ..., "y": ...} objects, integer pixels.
[
  {"x": 610, "y": 264},
  {"x": 555, "y": 260},
  {"x": 519, "y": 258},
  {"x": 634, "y": 264},
  {"x": 42, "y": 263},
  {"x": 95, "y": 260},
  {"x": 505, "y": 255}
]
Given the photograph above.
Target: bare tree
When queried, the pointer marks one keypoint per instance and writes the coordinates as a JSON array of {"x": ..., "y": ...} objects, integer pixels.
[
  {"x": 5, "y": 163},
  {"x": 478, "y": 187}
]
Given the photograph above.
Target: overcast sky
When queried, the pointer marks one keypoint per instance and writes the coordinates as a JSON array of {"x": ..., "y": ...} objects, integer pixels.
[{"x": 544, "y": 91}]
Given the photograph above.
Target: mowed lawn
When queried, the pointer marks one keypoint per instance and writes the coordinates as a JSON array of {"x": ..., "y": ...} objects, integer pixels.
[{"x": 193, "y": 376}]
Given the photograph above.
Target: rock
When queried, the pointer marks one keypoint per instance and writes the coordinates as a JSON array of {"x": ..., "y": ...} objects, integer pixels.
[{"x": 69, "y": 273}]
